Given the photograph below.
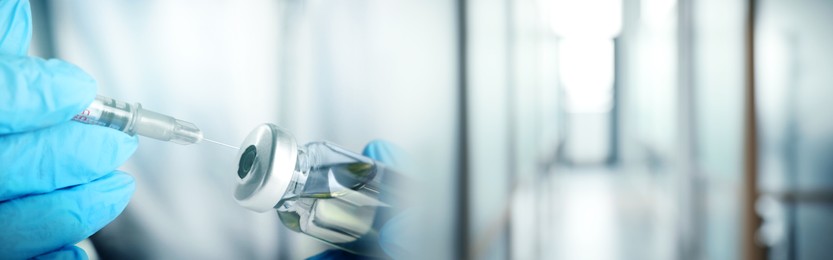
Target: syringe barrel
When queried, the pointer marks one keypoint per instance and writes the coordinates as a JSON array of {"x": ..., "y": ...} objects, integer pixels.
[
  {"x": 108, "y": 112},
  {"x": 132, "y": 119}
]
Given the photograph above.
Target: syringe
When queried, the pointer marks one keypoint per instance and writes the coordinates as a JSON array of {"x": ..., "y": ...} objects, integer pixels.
[{"x": 133, "y": 119}]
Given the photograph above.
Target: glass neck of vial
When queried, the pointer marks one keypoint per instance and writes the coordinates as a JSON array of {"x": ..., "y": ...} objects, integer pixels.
[
  {"x": 307, "y": 159},
  {"x": 303, "y": 165}
]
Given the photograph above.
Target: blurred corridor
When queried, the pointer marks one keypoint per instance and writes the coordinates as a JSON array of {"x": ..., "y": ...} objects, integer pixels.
[{"x": 652, "y": 129}]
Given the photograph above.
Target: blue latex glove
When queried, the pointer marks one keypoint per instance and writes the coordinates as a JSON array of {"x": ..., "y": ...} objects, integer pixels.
[
  {"x": 57, "y": 184},
  {"x": 393, "y": 235}
]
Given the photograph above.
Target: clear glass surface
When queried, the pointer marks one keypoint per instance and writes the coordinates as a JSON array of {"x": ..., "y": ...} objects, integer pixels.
[{"x": 339, "y": 197}]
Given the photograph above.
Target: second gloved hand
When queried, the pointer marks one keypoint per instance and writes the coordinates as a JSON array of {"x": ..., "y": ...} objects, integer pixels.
[{"x": 57, "y": 179}]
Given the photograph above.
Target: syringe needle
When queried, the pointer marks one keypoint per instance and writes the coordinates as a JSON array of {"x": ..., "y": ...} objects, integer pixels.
[{"x": 226, "y": 145}]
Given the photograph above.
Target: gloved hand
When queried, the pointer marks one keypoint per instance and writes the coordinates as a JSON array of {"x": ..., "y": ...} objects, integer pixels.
[
  {"x": 395, "y": 234},
  {"x": 57, "y": 184}
]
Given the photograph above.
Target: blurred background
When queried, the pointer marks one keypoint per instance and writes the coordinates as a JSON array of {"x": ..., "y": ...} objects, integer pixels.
[{"x": 539, "y": 129}]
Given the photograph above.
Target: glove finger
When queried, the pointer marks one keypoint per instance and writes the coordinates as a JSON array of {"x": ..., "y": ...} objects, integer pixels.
[
  {"x": 65, "y": 253},
  {"x": 399, "y": 234},
  {"x": 384, "y": 152},
  {"x": 34, "y": 225},
  {"x": 15, "y": 27},
  {"x": 35, "y": 93},
  {"x": 60, "y": 156}
]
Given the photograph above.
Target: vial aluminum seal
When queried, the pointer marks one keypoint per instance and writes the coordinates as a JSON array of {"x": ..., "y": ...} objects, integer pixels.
[{"x": 267, "y": 160}]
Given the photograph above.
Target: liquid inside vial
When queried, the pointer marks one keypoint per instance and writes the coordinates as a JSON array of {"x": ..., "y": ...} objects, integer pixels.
[{"x": 340, "y": 204}]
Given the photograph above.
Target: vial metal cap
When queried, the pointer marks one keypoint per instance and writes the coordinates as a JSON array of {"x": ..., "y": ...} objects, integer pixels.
[{"x": 266, "y": 163}]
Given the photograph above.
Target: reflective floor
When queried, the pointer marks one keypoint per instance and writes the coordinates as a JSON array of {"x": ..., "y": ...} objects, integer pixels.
[{"x": 599, "y": 213}]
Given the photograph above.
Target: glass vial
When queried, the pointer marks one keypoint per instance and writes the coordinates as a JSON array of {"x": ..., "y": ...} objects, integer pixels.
[{"x": 319, "y": 189}]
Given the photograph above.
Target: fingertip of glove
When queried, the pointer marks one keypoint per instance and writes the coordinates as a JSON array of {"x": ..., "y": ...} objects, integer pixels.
[
  {"x": 114, "y": 190},
  {"x": 397, "y": 235},
  {"x": 112, "y": 146},
  {"x": 119, "y": 183},
  {"x": 377, "y": 148},
  {"x": 65, "y": 253},
  {"x": 106, "y": 199},
  {"x": 69, "y": 77},
  {"x": 42, "y": 93},
  {"x": 62, "y": 156},
  {"x": 73, "y": 88},
  {"x": 383, "y": 151},
  {"x": 127, "y": 144}
]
